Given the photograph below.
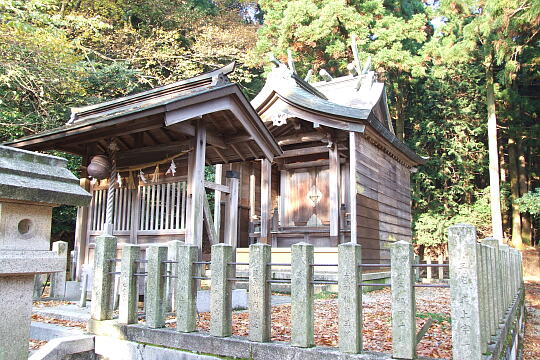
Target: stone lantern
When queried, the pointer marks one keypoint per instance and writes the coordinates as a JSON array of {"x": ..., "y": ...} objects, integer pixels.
[{"x": 31, "y": 184}]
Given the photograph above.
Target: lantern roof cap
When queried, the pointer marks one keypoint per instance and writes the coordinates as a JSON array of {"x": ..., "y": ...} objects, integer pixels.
[{"x": 38, "y": 178}]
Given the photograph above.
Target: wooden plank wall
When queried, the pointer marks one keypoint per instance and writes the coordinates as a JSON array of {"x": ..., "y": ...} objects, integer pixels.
[{"x": 383, "y": 201}]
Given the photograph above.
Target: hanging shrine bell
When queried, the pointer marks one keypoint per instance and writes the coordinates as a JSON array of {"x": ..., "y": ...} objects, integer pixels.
[{"x": 99, "y": 167}]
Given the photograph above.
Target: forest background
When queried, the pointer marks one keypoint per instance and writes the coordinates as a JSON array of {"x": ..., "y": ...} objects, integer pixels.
[{"x": 441, "y": 62}]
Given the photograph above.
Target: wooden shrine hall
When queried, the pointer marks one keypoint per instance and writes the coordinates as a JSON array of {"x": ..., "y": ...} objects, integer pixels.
[
  {"x": 343, "y": 176},
  {"x": 314, "y": 162},
  {"x": 144, "y": 158}
]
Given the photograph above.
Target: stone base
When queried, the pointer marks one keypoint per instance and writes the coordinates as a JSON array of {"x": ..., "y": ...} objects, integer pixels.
[
  {"x": 16, "y": 309},
  {"x": 234, "y": 347}
]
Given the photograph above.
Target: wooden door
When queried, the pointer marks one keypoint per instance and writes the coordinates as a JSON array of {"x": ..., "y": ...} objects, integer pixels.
[{"x": 307, "y": 198}]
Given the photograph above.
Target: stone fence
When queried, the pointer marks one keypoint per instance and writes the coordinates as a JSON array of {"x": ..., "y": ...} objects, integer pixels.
[{"x": 485, "y": 288}]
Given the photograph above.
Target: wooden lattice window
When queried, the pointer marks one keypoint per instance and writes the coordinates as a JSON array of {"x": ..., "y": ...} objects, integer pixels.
[{"x": 163, "y": 206}]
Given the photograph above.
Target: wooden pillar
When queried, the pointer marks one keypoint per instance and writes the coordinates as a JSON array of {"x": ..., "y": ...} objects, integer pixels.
[
  {"x": 283, "y": 188},
  {"x": 352, "y": 186},
  {"x": 194, "y": 229},
  {"x": 252, "y": 188},
  {"x": 81, "y": 231},
  {"x": 135, "y": 214},
  {"x": 266, "y": 199},
  {"x": 217, "y": 198},
  {"x": 334, "y": 192},
  {"x": 230, "y": 236}
]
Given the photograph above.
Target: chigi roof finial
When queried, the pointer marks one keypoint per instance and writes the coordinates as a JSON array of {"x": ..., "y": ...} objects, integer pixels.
[
  {"x": 273, "y": 59},
  {"x": 290, "y": 61}
]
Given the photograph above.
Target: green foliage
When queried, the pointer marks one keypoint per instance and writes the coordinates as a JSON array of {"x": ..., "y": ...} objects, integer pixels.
[
  {"x": 530, "y": 202},
  {"x": 431, "y": 227},
  {"x": 319, "y": 33}
]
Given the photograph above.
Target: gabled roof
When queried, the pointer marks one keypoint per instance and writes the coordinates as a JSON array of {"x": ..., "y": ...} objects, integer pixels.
[
  {"x": 163, "y": 114},
  {"x": 150, "y": 98},
  {"x": 346, "y": 103}
]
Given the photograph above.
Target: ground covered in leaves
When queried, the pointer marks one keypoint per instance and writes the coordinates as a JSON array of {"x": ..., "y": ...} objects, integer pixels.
[
  {"x": 377, "y": 330},
  {"x": 531, "y": 342},
  {"x": 37, "y": 344}
]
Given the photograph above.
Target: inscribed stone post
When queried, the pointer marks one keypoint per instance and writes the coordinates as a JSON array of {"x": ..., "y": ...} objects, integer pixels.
[
  {"x": 58, "y": 279},
  {"x": 464, "y": 292},
  {"x": 350, "y": 298},
  {"x": 127, "y": 312},
  {"x": 221, "y": 291},
  {"x": 155, "y": 286},
  {"x": 105, "y": 250},
  {"x": 259, "y": 292},
  {"x": 302, "y": 295},
  {"x": 186, "y": 288},
  {"x": 403, "y": 301}
]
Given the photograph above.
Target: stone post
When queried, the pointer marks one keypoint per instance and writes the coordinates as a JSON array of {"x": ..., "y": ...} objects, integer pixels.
[
  {"x": 127, "y": 312},
  {"x": 350, "y": 297},
  {"x": 482, "y": 282},
  {"x": 497, "y": 277},
  {"x": 511, "y": 274},
  {"x": 186, "y": 288},
  {"x": 221, "y": 291},
  {"x": 403, "y": 301},
  {"x": 260, "y": 309},
  {"x": 464, "y": 293},
  {"x": 504, "y": 250},
  {"x": 521, "y": 269},
  {"x": 105, "y": 250},
  {"x": 302, "y": 295},
  {"x": 155, "y": 285},
  {"x": 38, "y": 286},
  {"x": 515, "y": 277},
  {"x": 172, "y": 255},
  {"x": 492, "y": 297},
  {"x": 417, "y": 269},
  {"x": 84, "y": 289},
  {"x": 58, "y": 279}
]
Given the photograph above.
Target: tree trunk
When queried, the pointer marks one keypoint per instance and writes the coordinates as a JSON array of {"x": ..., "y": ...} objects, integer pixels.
[
  {"x": 503, "y": 168},
  {"x": 514, "y": 193},
  {"x": 523, "y": 189},
  {"x": 495, "y": 193}
]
